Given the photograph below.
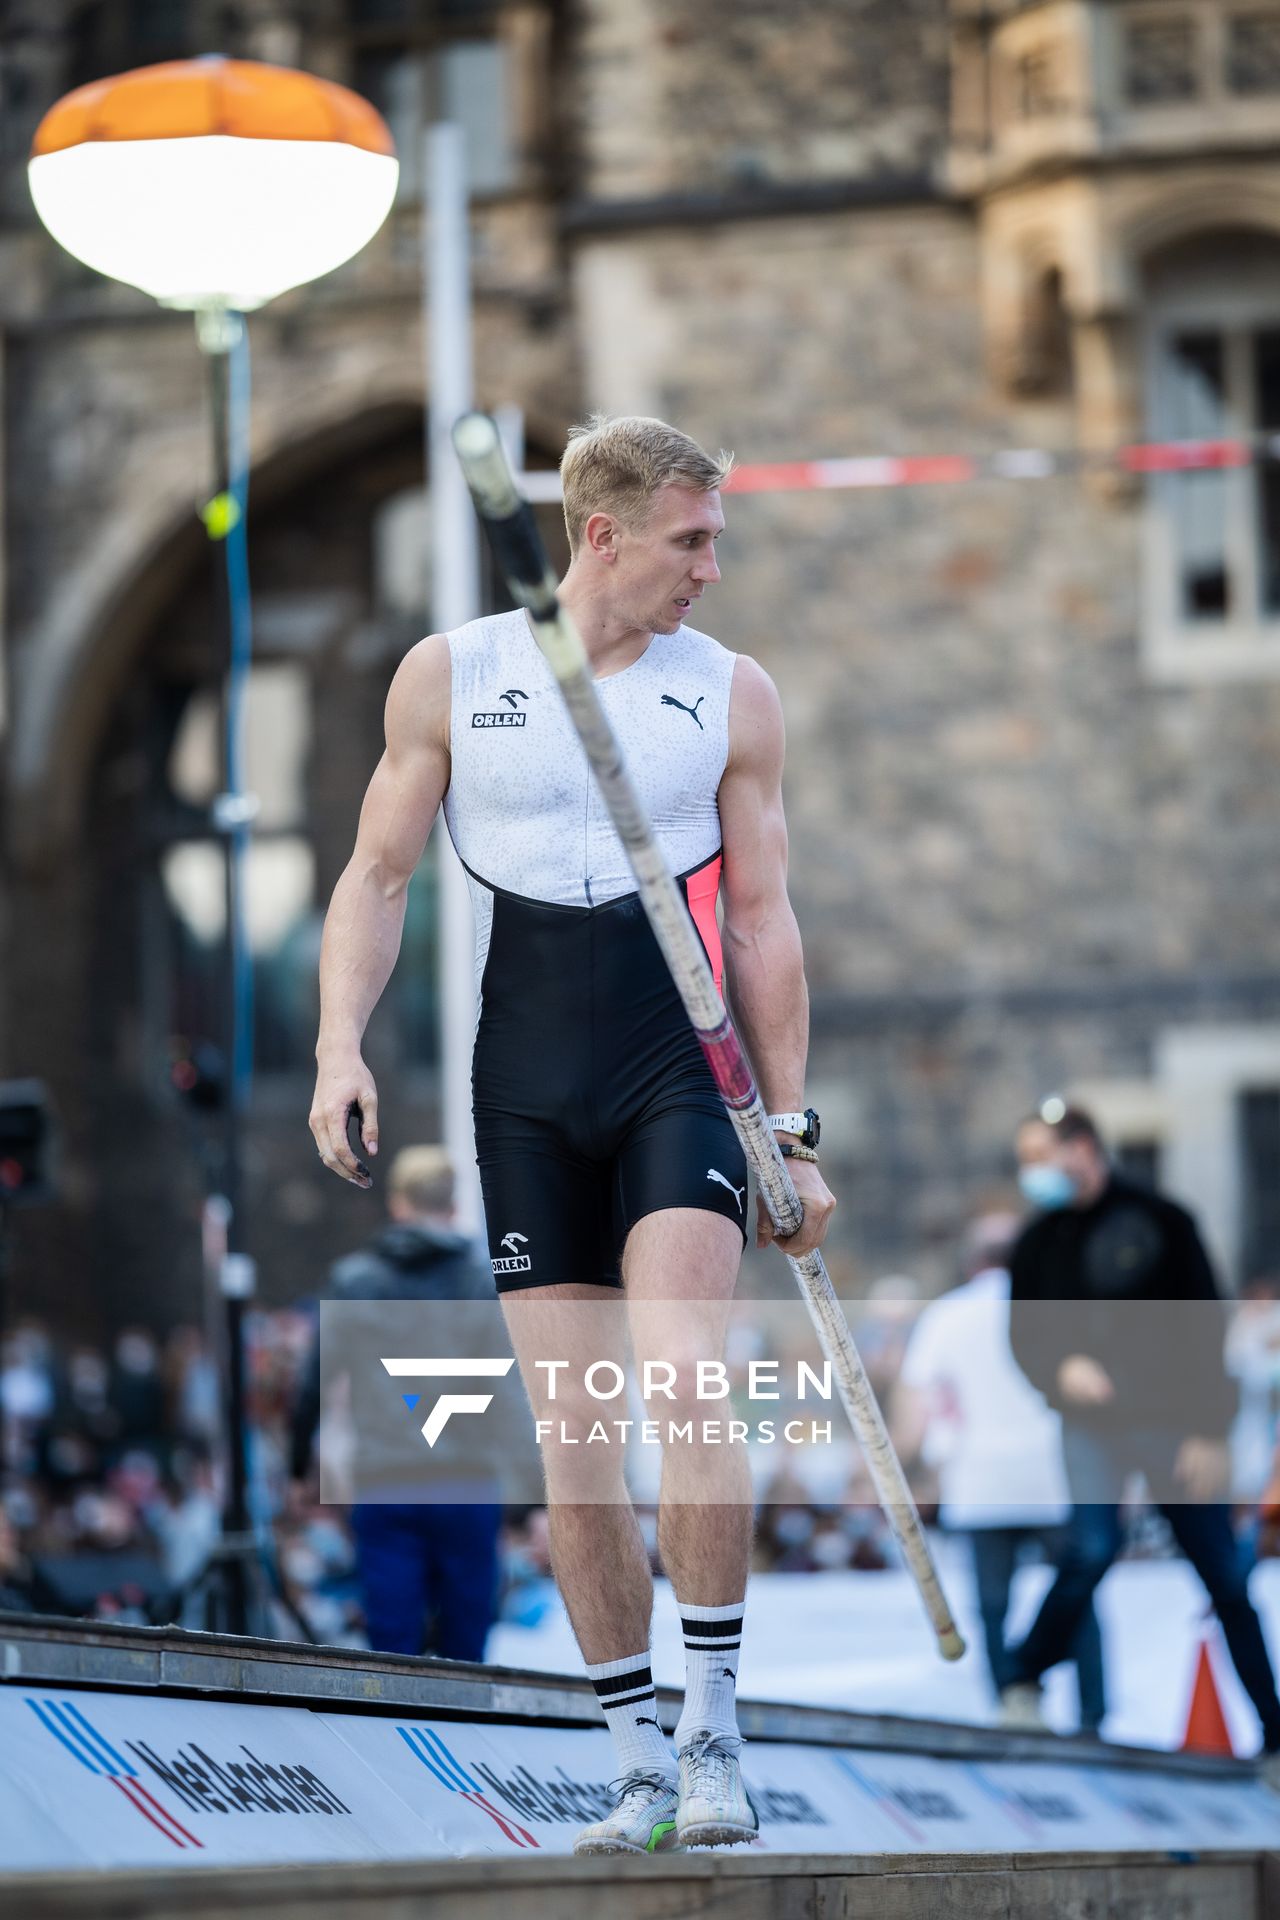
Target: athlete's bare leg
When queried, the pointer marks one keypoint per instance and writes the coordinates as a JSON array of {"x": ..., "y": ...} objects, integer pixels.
[
  {"x": 706, "y": 1510},
  {"x": 706, "y": 1515},
  {"x": 598, "y": 1555},
  {"x": 680, "y": 1267}
]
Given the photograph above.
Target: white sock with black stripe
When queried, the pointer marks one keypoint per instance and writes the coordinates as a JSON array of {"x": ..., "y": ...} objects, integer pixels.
[
  {"x": 712, "y": 1641},
  {"x": 624, "y": 1689}
]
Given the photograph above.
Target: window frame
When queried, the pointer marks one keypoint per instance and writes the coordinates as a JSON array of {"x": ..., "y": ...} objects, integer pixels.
[
  {"x": 1138, "y": 19},
  {"x": 1244, "y": 646},
  {"x": 410, "y": 1036},
  {"x": 423, "y": 51},
  {"x": 1202, "y": 1069}
]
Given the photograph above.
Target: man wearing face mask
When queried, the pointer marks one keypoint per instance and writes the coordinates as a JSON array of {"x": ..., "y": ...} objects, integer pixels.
[{"x": 1140, "y": 1384}]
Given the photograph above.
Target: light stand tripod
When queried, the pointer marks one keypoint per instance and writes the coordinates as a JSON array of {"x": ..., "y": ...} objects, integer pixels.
[{"x": 237, "y": 1564}]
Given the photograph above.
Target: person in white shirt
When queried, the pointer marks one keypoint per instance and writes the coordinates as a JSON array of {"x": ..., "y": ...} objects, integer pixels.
[{"x": 964, "y": 1406}]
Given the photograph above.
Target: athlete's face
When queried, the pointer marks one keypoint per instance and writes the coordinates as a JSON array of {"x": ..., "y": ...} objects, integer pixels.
[{"x": 664, "y": 566}]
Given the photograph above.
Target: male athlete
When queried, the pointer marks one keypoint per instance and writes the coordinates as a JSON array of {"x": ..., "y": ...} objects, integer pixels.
[{"x": 606, "y": 1158}]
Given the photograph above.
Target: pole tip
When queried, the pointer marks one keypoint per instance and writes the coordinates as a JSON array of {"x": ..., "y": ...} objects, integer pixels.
[
  {"x": 475, "y": 435},
  {"x": 951, "y": 1644},
  {"x": 483, "y": 460}
]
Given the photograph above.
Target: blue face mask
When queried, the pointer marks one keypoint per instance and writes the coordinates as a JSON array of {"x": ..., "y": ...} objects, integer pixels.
[{"x": 1046, "y": 1186}]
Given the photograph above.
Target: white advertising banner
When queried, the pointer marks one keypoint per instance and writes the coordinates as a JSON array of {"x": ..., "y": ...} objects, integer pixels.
[
  {"x": 500, "y": 1787},
  {"x": 114, "y": 1780},
  {"x": 136, "y": 1780}
]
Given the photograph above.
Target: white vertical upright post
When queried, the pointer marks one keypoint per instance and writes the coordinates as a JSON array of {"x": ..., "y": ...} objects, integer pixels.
[
  {"x": 509, "y": 420},
  {"x": 455, "y": 600}
]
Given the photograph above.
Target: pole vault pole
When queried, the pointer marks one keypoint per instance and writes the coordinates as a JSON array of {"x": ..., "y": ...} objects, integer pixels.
[
  {"x": 455, "y": 599},
  {"x": 518, "y": 549}
]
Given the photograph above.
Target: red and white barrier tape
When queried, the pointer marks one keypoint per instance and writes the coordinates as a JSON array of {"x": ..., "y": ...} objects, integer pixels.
[{"x": 950, "y": 469}]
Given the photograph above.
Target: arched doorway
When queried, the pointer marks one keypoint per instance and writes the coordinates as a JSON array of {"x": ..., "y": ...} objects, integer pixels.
[{"x": 115, "y": 972}]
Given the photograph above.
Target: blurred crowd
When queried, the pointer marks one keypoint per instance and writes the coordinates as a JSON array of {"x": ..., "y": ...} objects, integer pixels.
[
  {"x": 113, "y": 1484},
  {"x": 112, "y": 1468},
  {"x": 109, "y": 1457},
  {"x": 113, "y": 1477}
]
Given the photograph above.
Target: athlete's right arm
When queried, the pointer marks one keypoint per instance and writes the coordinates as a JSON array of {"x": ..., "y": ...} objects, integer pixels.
[{"x": 365, "y": 920}]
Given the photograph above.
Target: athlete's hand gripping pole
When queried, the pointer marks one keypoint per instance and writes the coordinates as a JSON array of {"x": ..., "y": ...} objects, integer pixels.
[{"x": 518, "y": 549}]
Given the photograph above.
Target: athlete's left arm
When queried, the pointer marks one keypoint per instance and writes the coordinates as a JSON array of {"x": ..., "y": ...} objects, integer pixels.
[{"x": 764, "y": 963}]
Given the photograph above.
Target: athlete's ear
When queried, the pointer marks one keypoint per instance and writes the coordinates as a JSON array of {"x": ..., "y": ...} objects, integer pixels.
[{"x": 601, "y": 536}]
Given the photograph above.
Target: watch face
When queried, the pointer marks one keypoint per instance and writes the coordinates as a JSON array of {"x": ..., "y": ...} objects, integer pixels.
[{"x": 815, "y": 1125}]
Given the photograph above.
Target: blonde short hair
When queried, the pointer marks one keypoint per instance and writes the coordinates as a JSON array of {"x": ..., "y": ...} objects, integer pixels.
[
  {"x": 617, "y": 466},
  {"x": 424, "y": 1177}
]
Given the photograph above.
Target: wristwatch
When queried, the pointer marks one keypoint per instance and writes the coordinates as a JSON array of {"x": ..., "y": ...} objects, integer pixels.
[{"x": 807, "y": 1125}]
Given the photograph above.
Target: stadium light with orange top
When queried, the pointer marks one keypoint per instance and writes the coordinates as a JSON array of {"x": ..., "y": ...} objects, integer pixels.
[
  {"x": 213, "y": 182},
  {"x": 214, "y": 185}
]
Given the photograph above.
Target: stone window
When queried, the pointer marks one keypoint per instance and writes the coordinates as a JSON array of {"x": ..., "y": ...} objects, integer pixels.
[
  {"x": 1045, "y": 366},
  {"x": 280, "y": 870},
  {"x": 466, "y": 81},
  {"x": 1212, "y": 585},
  {"x": 1036, "y": 89},
  {"x": 1215, "y": 382},
  {"x": 282, "y": 913},
  {"x": 1221, "y": 1087},
  {"x": 448, "y": 62},
  {"x": 1253, "y": 53},
  {"x": 105, "y": 38},
  {"x": 408, "y": 13},
  {"x": 1139, "y": 1160},
  {"x": 1161, "y": 65}
]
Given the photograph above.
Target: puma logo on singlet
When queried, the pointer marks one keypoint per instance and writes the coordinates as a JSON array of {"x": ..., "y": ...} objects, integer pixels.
[
  {"x": 737, "y": 1192},
  {"x": 669, "y": 700}
]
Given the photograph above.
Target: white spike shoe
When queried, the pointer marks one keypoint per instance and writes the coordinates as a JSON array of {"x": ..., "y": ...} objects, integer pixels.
[
  {"x": 715, "y": 1807},
  {"x": 644, "y": 1820}
]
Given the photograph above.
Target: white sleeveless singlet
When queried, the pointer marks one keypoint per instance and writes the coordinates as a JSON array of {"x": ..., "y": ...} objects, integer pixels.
[{"x": 523, "y": 810}]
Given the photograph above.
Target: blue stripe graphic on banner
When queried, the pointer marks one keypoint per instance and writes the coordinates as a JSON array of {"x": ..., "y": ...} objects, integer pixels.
[
  {"x": 989, "y": 1787},
  {"x": 876, "y": 1793},
  {"x": 1005, "y": 1798},
  {"x": 85, "y": 1739},
  {"x": 419, "y": 1755},
  {"x": 51, "y": 1726},
  {"x": 443, "y": 1753},
  {"x": 100, "y": 1743}
]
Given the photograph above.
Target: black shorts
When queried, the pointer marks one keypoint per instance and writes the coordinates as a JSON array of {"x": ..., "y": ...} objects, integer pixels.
[{"x": 593, "y": 1102}]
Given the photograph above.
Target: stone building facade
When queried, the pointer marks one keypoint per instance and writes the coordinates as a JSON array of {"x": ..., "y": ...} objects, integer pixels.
[{"x": 1033, "y": 726}]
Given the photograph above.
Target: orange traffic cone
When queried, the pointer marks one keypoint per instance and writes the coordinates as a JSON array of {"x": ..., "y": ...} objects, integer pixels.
[{"x": 1206, "y": 1723}]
